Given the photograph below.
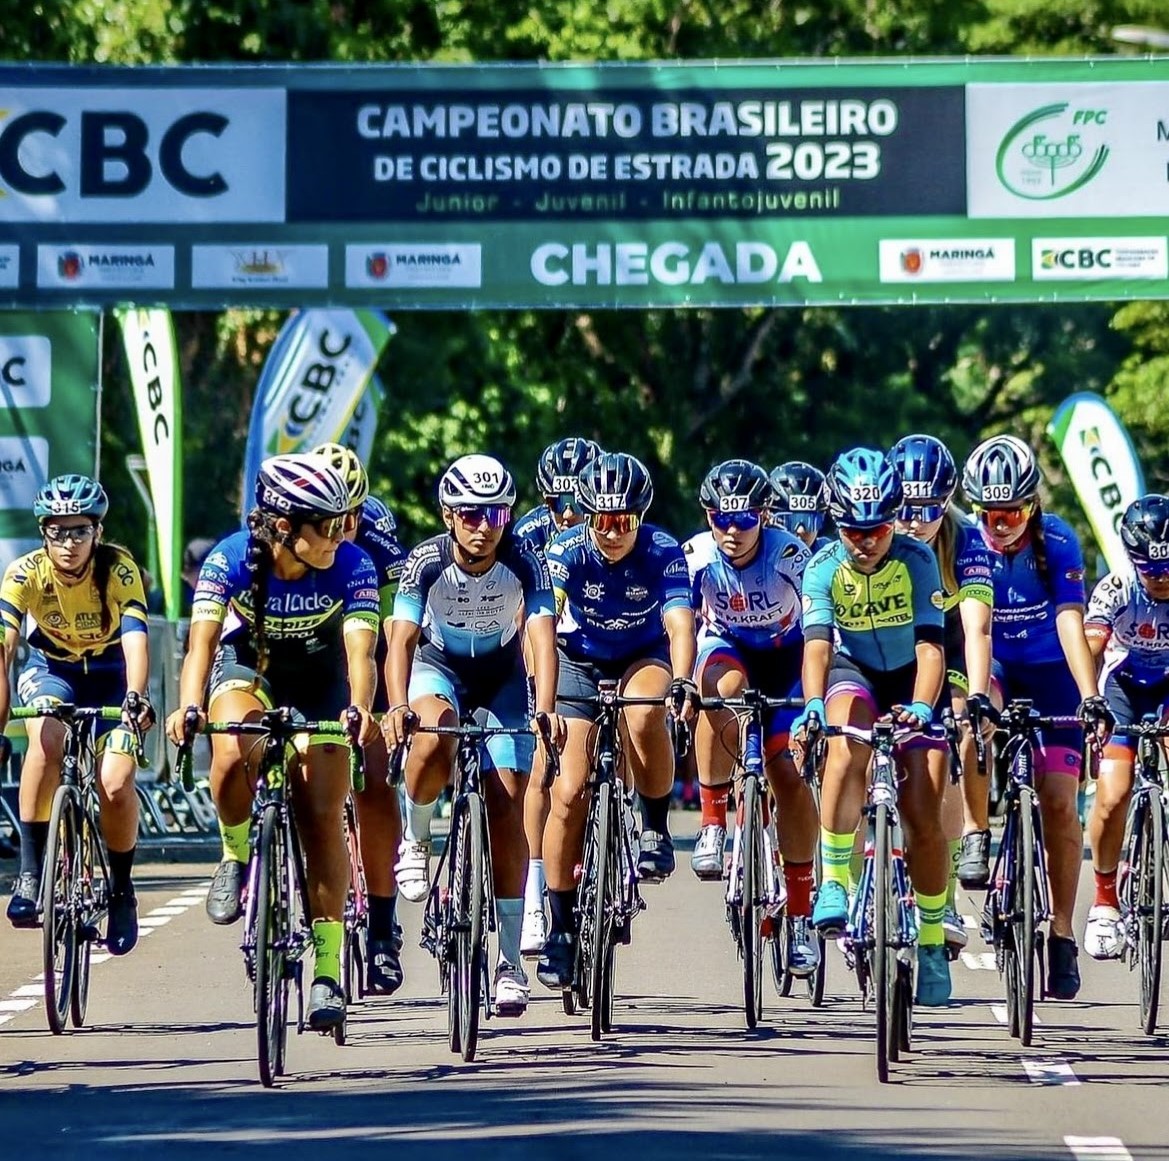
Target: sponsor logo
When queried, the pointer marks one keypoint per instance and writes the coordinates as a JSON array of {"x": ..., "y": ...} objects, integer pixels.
[
  {"x": 947, "y": 260},
  {"x": 636, "y": 593},
  {"x": 102, "y": 267},
  {"x": 24, "y": 466},
  {"x": 441, "y": 264},
  {"x": 937, "y": 600},
  {"x": 9, "y": 267},
  {"x": 1093, "y": 258},
  {"x": 1053, "y": 150},
  {"x": 365, "y": 595},
  {"x": 1104, "y": 480},
  {"x": 26, "y": 370},
  {"x": 259, "y": 265},
  {"x": 593, "y": 592}
]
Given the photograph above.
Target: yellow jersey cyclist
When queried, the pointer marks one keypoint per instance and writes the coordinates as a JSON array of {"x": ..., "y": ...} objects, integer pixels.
[
  {"x": 88, "y": 646},
  {"x": 880, "y": 595},
  {"x": 286, "y": 614},
  {"x": 371, "y": 526},
  {"x": 465, "y": 600}
]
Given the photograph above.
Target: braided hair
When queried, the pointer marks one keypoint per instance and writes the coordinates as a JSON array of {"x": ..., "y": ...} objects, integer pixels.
[
  {"x": 259, "y": 561},
  {"x": 1039, "y": 544}
]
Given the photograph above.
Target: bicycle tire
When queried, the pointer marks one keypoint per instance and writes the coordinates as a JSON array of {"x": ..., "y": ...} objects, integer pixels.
[
  {"x": 87, "y": 869},
  {"x": 884, "y": 962},
  {"x": 1023, "y": 917},
  {"x": 271, "y": 991},
  {"x": 616, "y": 865},
  {"x": 341, "y": 1030},
  {"x": 780, "y": 958},
  {"x": 59, "y": 944},
  {"x": 1150, "y": 901},
  {"x": 817, "y": 981},
  {"x": 469, "y": 930},
  {"x": 751, "y": 920},
  {"x": 601, "y": 904},
  {"x": 457, "y": 847}
]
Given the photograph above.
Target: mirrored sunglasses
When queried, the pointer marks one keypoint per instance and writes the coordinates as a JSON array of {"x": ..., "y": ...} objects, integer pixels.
[
  {"x": 77, "y": 533},
  {"x": 562, "y": 503},
  {"x": 858, "y": 534},
  {"x": 1007, "y": 517},
  {"x": 798, "y": 523},
  {"x": 1151, "y": 570},
  {"x": 473, "y": 515},
  {"x": 618, "y": 522},
  {"x": 331, "y": 527},
  {"x": 922, "y": 513},
  {"x": 743, "y": 521}
]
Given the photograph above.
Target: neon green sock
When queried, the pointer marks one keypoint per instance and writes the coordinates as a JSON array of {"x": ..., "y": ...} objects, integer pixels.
[
  {"x": 856, "y": 860},
  {"x": 236, "y": 844},
  {"x": 955, "y": 846},
  {"x": 930, "y": 909},
  {"x": 835, "y": 854},
  {"x": 327, "y": 936}
]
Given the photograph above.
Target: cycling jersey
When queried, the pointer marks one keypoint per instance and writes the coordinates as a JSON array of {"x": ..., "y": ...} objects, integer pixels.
[
  {"x": 614, "y": 610},
  {"x": 972, "y": 570},
  {"x": 465, "y": 615},
  {"x": 67, "y": 619},
  {"x": 535, "y": 529},
  {"x": 376, "y": 538},
  {"x": 878, "y": 617},
  {"x": 1134, "y": 627},
  {"x": 303, "y": 618},
  {"x": 756, "y": 605},
  {"x": 1023, "y": 627}
]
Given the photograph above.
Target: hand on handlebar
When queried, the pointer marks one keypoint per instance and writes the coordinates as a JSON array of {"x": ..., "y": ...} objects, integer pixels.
[
  {"x": 366, "y": 724},
  {"x": 917, "y": 715},
  {"x": 137, "y": 712},
  {"x": 397, "y": 724},
  {"x": 682, "y": 699},
  {"x": 176, "y": 724},
  {"x": 1097, "y": 717}
]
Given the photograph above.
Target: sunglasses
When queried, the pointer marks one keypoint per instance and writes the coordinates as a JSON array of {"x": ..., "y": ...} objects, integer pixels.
[
  {"x": 797, "y": 522},
  {"x": 742, "y": 521},
  {"x": 858, "y": 534},
  {"x": 619, "y": 522},
  {"x": 78, "y": 534},
  {"x": 330, "y": 528},
  {"x": 1008, "y": 517},
  {"x": 473, "y": 515},
  {"x": 1151, "y": 571},
  {"x": 564, "y": 502},
  {"x": 922, "y": 513}
]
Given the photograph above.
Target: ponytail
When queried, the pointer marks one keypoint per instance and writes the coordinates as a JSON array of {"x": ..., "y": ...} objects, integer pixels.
[
  {"x": 1039, "y": 545},
  {"x": 259, "y": 561},
  {"x": 104, "y": 556},
  {"x": 946, "y": 549}
]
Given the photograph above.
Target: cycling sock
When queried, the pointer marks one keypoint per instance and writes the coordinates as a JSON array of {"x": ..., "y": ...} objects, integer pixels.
[
  {"x": 417, "y": 820},
  {"x": 327, "y": 937},
  {"x": 714, "y": 804},
  {"x": 121, "y": 864},
  {"x": 236, "y": 845},
  {"x": 655, "y": 813},
  {"x": 1106, "y": 889},
  {"x": 930, "y": 911},
  {"x": 799, "y": 880},
  {"x": 534, "y": 886},
  {"x": 560, "y": 904},
  {"x": 510, "y": 913},
  {"x": 381, "y": 915},
  {"x": 835, "y": 854},
  {"x": 856, "y": 861},
  {"x": 34, "y": 837},
  {"x": 955, "y": 848}
]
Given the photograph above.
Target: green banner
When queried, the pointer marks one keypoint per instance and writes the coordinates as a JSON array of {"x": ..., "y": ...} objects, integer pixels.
[
  {"x": 620, "y": 185},
  {"x": 50, "y": 384}
]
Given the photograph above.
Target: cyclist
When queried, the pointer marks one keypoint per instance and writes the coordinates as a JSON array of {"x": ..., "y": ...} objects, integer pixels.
[
  {"x": 623, "y": 597},
  {"x": 746, "y": 587},
  {"x": 880, "y": 594},
  {"x": 930, "y": 477},
  {"x": 286, "y": 614},
  {"x": 467, "y": 595},
  {"x": 88, "y": 646},
  {"x": 556, "y": 474},
  {"x": 371, "y": 526},
  {"x": 798, "y": 504},
  {"x": 1040, "y": 653},
  {"x": 1128, "y": 615}
]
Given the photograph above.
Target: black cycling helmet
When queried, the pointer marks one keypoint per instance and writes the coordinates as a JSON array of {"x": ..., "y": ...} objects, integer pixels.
[
  {"x": 615, "y": 482},
  {"x": 798, "y": 488},
  {"x": 561, "y": 463},
  {"x": 735, "y": 486},
  {"x": 1144, "y": 529},
  {"x": 863, "y": 489}
]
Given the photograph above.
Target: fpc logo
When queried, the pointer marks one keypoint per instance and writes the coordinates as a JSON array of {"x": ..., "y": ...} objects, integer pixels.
[{"x": 1053, "y": 151}]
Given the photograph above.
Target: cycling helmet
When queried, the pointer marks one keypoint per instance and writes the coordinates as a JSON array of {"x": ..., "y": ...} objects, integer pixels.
[
  {"x": 561, "y": 463},
  {"x": 735, "y": 486},
  {"x": 1001, "y": 470},
  {"x": 379, "y": 514},
  {"x": 615, "y": 482},
  {"x": 301, "y": 486},
  {"x": 927, "y": 469},
  {"x": 863, "y": 489},
  {"x": 352, "y": 470},
  {"x": 798, "y": 488},
  {"x": 476, "y": 479},
  {"x": 71, "y": 495},
  {"x": 1144, "y": 529}
]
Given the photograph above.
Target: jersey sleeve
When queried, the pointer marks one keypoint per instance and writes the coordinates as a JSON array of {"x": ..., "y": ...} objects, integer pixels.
[
  {"x": 558, "y": 557},
  {"x": 675, "y": 587},
  {"x": 1065, "y": 564},
  {"x": 361, "y": 608},
  {"x": 817, "y": 612},
  {"x": 13, "y": 595},
  {"x": 1108, "y": 599},
  {"x": 414, "y": 583},
  {"x": 928, "y": 600},
  {"x": 220, "y": 575},
  {"x": 129, "y": 594},
  {"x": 535, "y": 582},
  {"x": 973, "y": 568}
]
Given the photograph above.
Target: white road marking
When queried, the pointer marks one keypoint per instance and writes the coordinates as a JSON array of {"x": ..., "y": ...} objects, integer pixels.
[
  {"x": 981, "y": 961},
  {"x": 28, "y": 990},
  {"x": 1050, "y": 1072},
  {"x": 99, "y": 956},
  {"x": 1098, "y": 1148},
  {"x": 182, "y": 901},
  {"x": 152, "y": 920},
  {"x": 999, "y": 1011},
  {"x": 170, "y": 910},
  {"x": 970, "y": 922},
  {"x": 16, "y": 1005}
]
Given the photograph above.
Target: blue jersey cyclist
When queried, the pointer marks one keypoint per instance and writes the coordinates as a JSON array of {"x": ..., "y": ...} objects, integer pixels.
[
  {"x": 286, "y": 614},
  {"x": 879, "y": 595},
  {"x": 623, "y": 596},
  {"x": 464, "y": 602},
  {"x": 556, "y": 474},
  {"x": 371, "y": 526},
  {"x": 798, "y": 504},
  {"x": 88, "y": 647},
  {"x": 746, "y": 580},
  {"x": 1127, "y": 624},
  {"x": 1041, "y": 654}
]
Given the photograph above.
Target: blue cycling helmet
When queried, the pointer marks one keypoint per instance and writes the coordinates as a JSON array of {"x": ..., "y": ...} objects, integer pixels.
[
  {"x": 928, "y": 472},
  {"x": 562, "y": 462},
  {"x": 71, "y": 495},
  {"x": 863, "y": 489},
  {"x": 378, "y": 513}
]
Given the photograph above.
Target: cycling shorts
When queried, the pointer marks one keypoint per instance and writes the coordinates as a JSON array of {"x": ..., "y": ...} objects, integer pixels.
[
  {"x": 772, "y": 672},
  {"x": 581, "y": 678},
  {"x": 1051, "y": 689},
  {"x": 1130, "y": 702},
  {"x": 880, "y": 689},
  {"x": 315, "y": 693}
]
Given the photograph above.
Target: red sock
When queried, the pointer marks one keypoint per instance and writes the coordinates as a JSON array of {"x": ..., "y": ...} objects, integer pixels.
[
  {"x": 797, "y": 877},
  {"x": 714, "y": 804},
  {"x": 1106, "y": 889}
]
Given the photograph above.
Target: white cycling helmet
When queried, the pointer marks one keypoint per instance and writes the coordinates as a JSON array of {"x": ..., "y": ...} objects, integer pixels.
[
  {"x": 352, "y": 470},
  {"x": 304, "y": 486},
  {"x": 476, "y": 479}
]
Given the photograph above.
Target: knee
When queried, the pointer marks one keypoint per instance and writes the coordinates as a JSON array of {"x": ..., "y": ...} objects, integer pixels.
[
  {"x": 118, "y": 783},
  {"x": 1060, "y": 813}
]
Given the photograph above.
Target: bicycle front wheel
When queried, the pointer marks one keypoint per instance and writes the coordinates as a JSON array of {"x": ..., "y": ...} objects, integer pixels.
[
  {"x": 469, "y": 926},
  {"x": 884, "y": 950},
  {"x": 601, "y": 904},
  {"x": 751, "y": 907},
  {"x": 1023, "y": 915},
  {"x": 91, "y": 865},
  {"x": 271, "y": 943},
  {"x": 60, "y": 883},
  {"x": 1149, "y": 903}
]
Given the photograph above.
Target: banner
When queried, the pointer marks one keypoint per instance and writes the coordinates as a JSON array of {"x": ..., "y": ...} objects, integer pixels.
[
  {"x": 1103, "y": 467},
  {"x": 152, "y": 355},
  {"x": 50, "y": 393},
  {"x": 316, "y": 378},
  {"x": 690, "y": 183}
]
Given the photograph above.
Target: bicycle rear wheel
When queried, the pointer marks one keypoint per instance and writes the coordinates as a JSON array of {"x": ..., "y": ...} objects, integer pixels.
[
  {"x": 1023, "y": 915},
  {"x": 1150, "y": 900},
  {"x": 602, "y": 902},
  {"x": 89, "y": 867},
  {"x": 751, "y": 913},
  {"x": 271, "y": 943},
  {"x": 469, "y": 928},
  {"x": 60, "y": 937},
  {"x": 884, "y": 952}
]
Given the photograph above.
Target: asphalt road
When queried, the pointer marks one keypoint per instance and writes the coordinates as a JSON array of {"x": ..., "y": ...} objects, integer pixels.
[{"x": 166, "y": 1067}]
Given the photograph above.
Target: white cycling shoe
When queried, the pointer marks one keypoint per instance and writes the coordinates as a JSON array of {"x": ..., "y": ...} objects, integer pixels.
[
  {"x": 511, "y": 990},
  {"x": 954, "y": 930},
  {"x": 534, "y": 933},
  {"x": 1104, "y": 935},
  {"x": 707, "y": 860},
  {"x": 412, "y": 870}
]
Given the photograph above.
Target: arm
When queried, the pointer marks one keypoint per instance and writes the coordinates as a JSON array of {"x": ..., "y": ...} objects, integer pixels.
[
  {"x": 931, "y": 672},
  {"x": 403, "y": 641},
  {"x": 814, "y": 673},
  {"x": 136, "y": 652},
  {"x": 976, "y": 620},
  {"x": 11, "y": 639},
  {"x": 1069, "y": 625},
  {"x": 201, "y": 646},
  {"x": 360, "y": 646},
  {"x": 541, "y": 636},
  {"x": 679, "y": 626}
]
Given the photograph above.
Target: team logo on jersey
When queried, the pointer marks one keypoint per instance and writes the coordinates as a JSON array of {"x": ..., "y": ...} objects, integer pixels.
[
  {"x": 593, "y": 592},
  {"x": 636, "y": 593},
  {"x": 937, "y": 599}
]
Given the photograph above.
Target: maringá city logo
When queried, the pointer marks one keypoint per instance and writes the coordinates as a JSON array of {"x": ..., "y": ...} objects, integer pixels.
[{"x": 1053, "y": 151}]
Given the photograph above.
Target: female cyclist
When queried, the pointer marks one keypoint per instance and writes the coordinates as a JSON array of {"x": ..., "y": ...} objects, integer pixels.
[{"x": 798, "y": 505}]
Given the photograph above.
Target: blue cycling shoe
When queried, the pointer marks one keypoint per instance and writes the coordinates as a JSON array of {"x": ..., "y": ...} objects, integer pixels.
[
  {"x": 830, "y": 914},
  {"x": 933, "y": 977}
]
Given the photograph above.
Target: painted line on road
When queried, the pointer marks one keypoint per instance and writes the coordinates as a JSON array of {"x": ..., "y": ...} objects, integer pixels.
[
  {"x": 21, "y": 1005},
  {"x": 173, "y": 909},
  {"x": 1050, "y": 1072},
  {"x": 27, "y": 990},
  {"x": 999, "y": 1011},
  {"x": 1098, "y": 1148},
  {"x": 980, "y": 961}
]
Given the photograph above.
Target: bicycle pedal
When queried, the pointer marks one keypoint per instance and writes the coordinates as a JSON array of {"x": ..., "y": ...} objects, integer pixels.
[{"x": 89, "y": 933}]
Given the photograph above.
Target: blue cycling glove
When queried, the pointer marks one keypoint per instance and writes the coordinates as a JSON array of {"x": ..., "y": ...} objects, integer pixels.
[
  {"x": 921, "y": 710},
  {"x": 815, "y": 706}
]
